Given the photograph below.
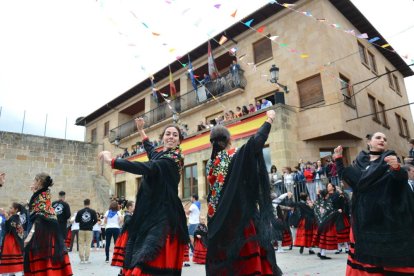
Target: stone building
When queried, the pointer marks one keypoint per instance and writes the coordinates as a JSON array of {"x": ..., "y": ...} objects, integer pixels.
[
  {"x": 325, "y": 67},
  {"x": 71, "y": 164}
]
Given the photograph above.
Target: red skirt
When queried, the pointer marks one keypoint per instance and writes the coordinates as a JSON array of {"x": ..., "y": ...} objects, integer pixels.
[
  {"x": 169, "y": 261},
  {"x": 45, "y": 267},
  {"x": 119, "y": 250},
  {"x": 326, "y": 240},
  {"x": 252, "y": 258},
  {"x": 200, "y": 252},
  {"x": 287, "y": 238},
  {"x": 68, "y": 238},
  {"x": 11, "y": 257},
  {"x": 355, "y": 268},
  {"x": 304, "y": 237},
  {"x": 186, "y": 254},
  {"x": 343, "y": 235}
]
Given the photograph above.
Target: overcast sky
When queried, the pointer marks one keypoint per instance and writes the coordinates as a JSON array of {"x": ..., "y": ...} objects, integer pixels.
[{"x": 68, "y": 58}]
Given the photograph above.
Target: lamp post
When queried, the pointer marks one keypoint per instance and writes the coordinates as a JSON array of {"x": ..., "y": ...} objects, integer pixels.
[{"x": 274, "y": 77}]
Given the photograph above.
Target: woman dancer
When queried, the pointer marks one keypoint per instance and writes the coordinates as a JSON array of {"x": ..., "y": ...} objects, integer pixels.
[
  {"x": 45, "y": 252},
  {"x": 11, "y": 255},
  {"x": 239, "y": 206},
  {"x": 306, "y": 228},
  {"x": 158, "y": 233},
  {"x": 200, "y": 242},
  {"x": 343, "y": 226},
  {"x": 382, "y": 236},
  {"x": 119, "y": 249}
]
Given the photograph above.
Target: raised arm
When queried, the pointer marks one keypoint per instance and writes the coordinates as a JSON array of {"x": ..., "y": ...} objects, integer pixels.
[
  {"x": 261, "y": 136},
  {"x": 148, "y": 146},
  {"x": 339, "y": 161},
  {"x": 141, "y": 168}
]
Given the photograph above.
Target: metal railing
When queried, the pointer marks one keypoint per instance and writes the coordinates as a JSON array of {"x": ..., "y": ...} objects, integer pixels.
[{"x": 225, "y": 83}]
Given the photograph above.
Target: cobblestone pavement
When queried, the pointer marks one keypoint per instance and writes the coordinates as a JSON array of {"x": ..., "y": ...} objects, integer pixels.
[{"x": 291, "y": 263}]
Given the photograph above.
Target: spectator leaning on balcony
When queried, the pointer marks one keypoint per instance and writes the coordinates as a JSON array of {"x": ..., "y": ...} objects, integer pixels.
[
  {"x": 238, "y": 112},
  {"x": 252, "y": 108},
  {"x": 265, "y": 104},
  {"x": 126, "y": 153},
  {"x": 235, "y": 70},
  {"x": 245, "y": 111},
  {"x": 134, "y": 150},
  {"x": 258, "y": 105}
]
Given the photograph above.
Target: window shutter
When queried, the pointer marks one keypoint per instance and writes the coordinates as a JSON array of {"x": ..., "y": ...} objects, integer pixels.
[{"x": 310, "y": 90}]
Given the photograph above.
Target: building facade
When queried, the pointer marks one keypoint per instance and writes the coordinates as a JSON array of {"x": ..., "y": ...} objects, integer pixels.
[{"x": 338, "y": 92}]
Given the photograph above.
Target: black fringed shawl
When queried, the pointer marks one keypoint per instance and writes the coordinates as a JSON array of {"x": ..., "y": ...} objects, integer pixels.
[
  {"x": 382, "y": 211},
  {"x": 202, "y": 230},
  {"x": 47, "y": 240},
  {"x": 158, "y": 209},
  {"x": 245, "y": 197},
  {"x": 14, "y": 226}
]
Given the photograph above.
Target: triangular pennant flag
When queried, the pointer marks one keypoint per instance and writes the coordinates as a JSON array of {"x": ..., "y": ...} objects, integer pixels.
[
  {"x": 223, "y": 39},
  {"x": 283, "y": 45},
  {"x": 321, "y": 19},
  {"x": 261, "y": 29},
  {"x": 248, "y": 23},
  {"x": 336, "y": 25},
  {"x": 155, "y": 34},
  {"x": 273, "y": 38},
  {"x": 234, "y": 14},
  {"x": 286, "y": 5},
  {"x": 304, "y": 55},
  {"x": 373, "y": 39},
  {"x": 217, "y": 6},
  {"x": 164, "y": 95},
  {"x": 293, "y": 50},
  {"x": 145, "y": 25},
  {"x": 307, "y": 13},
  {"x": 184, "y": 64},
  {"x": 364, "y": 35},
  {"x": 385, "y": 45},
  {"x": 171, "y": 50}
]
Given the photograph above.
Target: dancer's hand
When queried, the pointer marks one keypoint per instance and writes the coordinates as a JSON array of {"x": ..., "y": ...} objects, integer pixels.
[
  {"x": 140, "y": 122},
  {"x": 270, "y": 116},
  {"x": 290, "y": 195},
  {"x": 198, "y": 236},
  {"x": 105, "y": 156},
  {"x": 338, "y": 151},
  {"x": 392, "y": 161}
]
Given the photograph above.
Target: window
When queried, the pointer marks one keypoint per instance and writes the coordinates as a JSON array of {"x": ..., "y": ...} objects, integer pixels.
[
  {"x": 190, "y": 182},
  {"x": 372, "y": 62},
  {"x": 262, "y": 50},
  {"x": 310, "y": 90},
  {"x": 211, "y": 120},
  {"x": 362, "y": 54},
  {"x": 120, "y": 189},
  {"x": 93, "y": 135},
  {"x": 374, "y": 110},
  {"x": 382, "y": 113},
  {"x": 389, "y": 76},
  {"x": 396, "y": 84},
  {"x": 106, "y": 129},
  {"x": 400, "y": 125},
  {"x": 346, "y": 90},
  {"x": 406, "y": 129}
]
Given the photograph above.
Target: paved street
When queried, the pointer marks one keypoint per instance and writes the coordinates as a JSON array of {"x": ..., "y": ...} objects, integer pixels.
[{"x": 291, "y": 263}]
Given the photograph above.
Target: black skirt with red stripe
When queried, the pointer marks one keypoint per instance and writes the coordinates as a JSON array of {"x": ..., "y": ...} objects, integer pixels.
[
  {"x": 200, "y": 252},
  {"x": 11, "y": 258},
  {"x": 343, "y": 234},
  {"x": 305, "y": 236},
  {"x": 355, "y": 268},
  {"x": 119, "y": 250},
  {"x": 168, "y": 262},
  {"x": 327, "y": 238},
  {"x": 186, "y": 253}
]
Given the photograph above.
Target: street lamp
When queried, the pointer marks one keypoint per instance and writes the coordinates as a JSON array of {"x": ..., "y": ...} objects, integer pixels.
[{"x": 274, "y": 77}]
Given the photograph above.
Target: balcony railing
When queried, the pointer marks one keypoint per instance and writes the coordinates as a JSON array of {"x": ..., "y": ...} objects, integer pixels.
[{"x": 218, "y": 87}]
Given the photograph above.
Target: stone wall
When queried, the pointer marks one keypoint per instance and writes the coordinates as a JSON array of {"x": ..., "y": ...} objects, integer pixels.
[{"x": 72, "y": 165}]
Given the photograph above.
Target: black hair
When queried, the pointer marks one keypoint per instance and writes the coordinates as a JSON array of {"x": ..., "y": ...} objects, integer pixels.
[
  {"x": 303, "y": 196},
  {"x": 323, "y": 193},
  {"x": 273, "y": 167},
  {"x": 195, "y": 197},
  {"x": 45, "y": 179},
  {"x": 129, "y": 204},
  {"x": 114, "y": 206},
  {"x": 17, "y": 206},
  {"x": 62, "y": 193},
  {"x": 334, "y": 187},
  {"x": 180, "y": 135},
  {"x": 87, "y": 202},
  {"x": 219, "y": 139}
]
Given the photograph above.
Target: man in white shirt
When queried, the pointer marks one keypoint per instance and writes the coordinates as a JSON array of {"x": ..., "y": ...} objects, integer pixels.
[
  {"x": 266, "y": 104},
  {"x": 193, "y": 218}
]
